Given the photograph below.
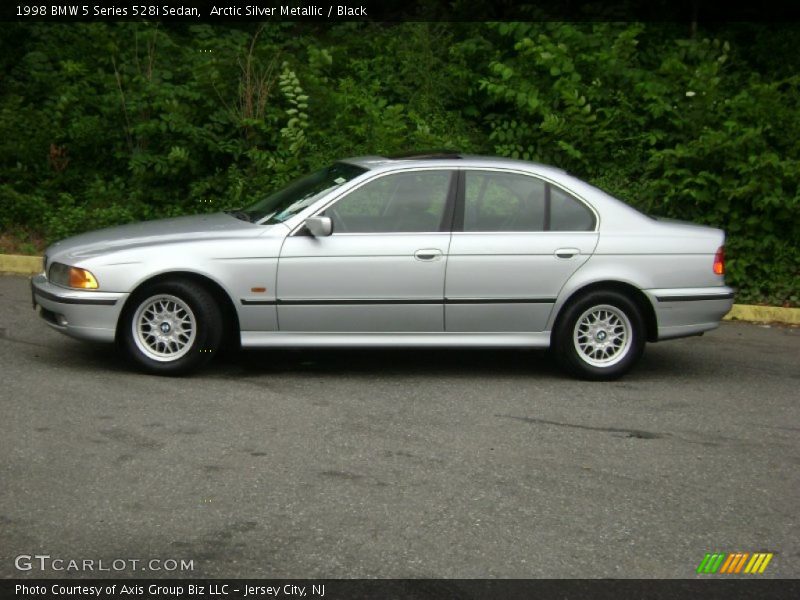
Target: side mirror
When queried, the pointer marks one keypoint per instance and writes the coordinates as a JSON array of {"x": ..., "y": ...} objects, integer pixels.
[{"x": 319, "y": 226}]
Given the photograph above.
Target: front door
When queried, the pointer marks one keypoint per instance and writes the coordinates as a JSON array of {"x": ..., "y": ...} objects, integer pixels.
[{"x": 382, "y": 269}]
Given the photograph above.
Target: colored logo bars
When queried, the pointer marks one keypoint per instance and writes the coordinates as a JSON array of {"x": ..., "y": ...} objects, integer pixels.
[{"x": 734, "y": 562}]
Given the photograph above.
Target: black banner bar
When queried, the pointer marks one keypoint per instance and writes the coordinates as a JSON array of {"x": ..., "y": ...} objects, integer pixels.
[
  {"x": 711, "y": 588},
  {"x": 332, "y": 11}
]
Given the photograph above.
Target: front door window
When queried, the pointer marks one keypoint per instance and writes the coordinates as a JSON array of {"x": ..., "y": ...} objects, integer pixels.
[{"x": 411, "y": 202}]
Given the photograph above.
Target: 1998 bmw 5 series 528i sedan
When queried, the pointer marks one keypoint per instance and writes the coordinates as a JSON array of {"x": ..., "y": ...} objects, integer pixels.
[{"x": 440, "y": 250}]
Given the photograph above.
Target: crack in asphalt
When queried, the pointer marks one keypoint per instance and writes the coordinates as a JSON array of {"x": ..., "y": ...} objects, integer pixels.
[
  {"x": 793, "y": 429},
  {"x": 705, "y": 440},
  {"x": 632, "y": 433}
]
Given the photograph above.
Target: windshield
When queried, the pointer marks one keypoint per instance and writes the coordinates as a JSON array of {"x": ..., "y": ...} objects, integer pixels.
[{"x": 287, "y": 202}]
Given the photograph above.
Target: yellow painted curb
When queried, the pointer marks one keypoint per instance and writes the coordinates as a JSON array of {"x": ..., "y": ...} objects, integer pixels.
[
  {"x": 16, "y": 263},
  {"x": 748, "y": 312},
  {"x": 30, "y": 265}
]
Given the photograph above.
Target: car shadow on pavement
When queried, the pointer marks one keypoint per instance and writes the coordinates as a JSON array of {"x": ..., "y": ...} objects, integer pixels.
[
  {"x": 383, "y": 361},
  {"x": 657, "y": 363}
]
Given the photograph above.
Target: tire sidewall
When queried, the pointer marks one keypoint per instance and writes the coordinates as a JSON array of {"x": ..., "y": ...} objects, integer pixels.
[
  {"x": 208, "y": 326},
  {"x": 569, "y": 357}
]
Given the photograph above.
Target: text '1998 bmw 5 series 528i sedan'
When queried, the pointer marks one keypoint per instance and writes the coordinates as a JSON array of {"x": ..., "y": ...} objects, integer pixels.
[{"x": 443, "y": 250}]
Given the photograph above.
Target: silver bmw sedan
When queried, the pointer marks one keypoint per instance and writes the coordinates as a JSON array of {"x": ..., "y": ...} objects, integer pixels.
[{"x": 443, "y": 250}]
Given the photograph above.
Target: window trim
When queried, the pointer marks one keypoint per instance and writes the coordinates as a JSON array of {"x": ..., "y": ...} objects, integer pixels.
[
  {"x": 548, "y": 207},
  {"x": 458, "y": 224}
]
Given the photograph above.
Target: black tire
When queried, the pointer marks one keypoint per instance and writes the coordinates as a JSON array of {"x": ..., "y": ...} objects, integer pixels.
[
  {"x": 192, "y": 327},
  {"x": 600, "y": 336}
]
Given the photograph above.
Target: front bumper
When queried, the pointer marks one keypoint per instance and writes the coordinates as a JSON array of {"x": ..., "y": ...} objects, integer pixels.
[
  {"x": 85, "y": 315},
  {"x": 689, "y": 311}
]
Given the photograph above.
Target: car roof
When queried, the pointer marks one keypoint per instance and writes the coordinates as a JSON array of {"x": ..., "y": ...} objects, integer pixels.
[{"x": 448, "y": 160}]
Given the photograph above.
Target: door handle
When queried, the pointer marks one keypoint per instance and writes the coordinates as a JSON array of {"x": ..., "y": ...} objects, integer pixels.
[
  {"x": 566, "y": 252},
  {"x": 428, "y": 254}
]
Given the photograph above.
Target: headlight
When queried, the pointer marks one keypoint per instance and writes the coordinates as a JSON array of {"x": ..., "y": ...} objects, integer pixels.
[{"x": 73, "y": 277}]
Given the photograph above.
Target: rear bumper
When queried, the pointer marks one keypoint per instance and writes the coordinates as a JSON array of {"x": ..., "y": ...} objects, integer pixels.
[
  {"x": 689, "y": 311},
  {"x": 80, "y": 314}
]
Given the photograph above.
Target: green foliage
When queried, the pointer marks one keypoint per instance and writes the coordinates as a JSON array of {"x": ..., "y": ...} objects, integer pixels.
[{"x": 110, "y": 123}]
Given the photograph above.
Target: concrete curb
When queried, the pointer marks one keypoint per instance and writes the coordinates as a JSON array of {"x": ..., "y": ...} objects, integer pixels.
[
  {"x": 30, "y": 265},
  {"x": 771, "y": 314},
  {"x": 16, "y": 263}
]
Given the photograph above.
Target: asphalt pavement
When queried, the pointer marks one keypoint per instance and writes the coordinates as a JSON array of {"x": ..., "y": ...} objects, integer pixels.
[{"x": 412, "y": 463}]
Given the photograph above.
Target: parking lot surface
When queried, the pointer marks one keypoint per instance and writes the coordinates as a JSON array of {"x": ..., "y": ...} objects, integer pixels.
[{"x": 429, "y": 463}]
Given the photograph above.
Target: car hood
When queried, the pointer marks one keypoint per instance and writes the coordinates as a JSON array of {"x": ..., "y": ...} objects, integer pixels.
[{"x": 162, "y": 231}]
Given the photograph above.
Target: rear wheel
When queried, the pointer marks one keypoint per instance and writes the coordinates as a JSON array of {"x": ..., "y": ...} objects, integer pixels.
[
  {"x": 600, "y": 336},
  {"x": 172, "y": 327}
]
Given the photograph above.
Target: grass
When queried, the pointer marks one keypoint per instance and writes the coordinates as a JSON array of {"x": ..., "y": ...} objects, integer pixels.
[{"x": 22, "y": 242}]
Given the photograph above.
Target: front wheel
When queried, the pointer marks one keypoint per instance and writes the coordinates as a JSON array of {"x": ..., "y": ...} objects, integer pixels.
[
  {"x": 171, "y": 328},
  {"x": 600, "y": 336}
]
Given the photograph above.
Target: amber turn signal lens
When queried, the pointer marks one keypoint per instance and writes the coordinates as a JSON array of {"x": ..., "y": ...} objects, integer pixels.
[{"x": 81, "y": 278}]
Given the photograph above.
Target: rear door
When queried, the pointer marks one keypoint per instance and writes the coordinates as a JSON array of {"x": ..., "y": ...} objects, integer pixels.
[
  {"x": 382, "y": 269},
  {"x": 516, "y": 241}
]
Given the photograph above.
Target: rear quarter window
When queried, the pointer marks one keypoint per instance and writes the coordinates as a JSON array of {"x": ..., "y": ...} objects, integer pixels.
[{"x": 567, "y": 213}]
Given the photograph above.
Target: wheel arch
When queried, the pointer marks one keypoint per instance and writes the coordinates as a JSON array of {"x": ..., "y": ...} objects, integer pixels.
[
  {"x": 641, "y": 300},
  {"x": 221, "y": 297}
]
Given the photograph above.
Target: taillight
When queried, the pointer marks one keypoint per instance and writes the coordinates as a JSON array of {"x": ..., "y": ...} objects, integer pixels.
[{"x": 719, "y": 261}]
